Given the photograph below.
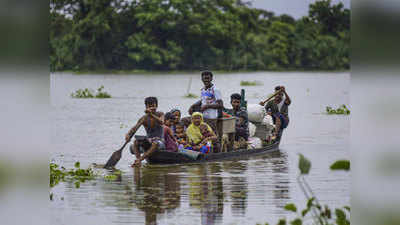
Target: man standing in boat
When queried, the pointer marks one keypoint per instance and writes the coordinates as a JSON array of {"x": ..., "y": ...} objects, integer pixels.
[
  {"x": 152, "y": 122},
  {"x": 279, "y": 109},
  {"x": 211, "y": 101}
]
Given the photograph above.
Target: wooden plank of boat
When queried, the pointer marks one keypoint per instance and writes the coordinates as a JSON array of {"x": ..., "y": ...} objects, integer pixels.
[{"x": 165, "y": 157}]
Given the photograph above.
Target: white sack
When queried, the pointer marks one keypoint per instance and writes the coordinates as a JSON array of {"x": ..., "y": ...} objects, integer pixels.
[
  {"x": 256, "y": 113},
  {"x": 254, "y": 142},
  {"x": 252, "y": 129}
]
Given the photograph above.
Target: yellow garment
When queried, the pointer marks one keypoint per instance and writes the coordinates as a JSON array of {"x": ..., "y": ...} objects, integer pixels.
[{"x": 193, "y": 132}]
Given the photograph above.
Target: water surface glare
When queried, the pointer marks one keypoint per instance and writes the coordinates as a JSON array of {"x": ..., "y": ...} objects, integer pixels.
[{"x": 243, "y": 191}]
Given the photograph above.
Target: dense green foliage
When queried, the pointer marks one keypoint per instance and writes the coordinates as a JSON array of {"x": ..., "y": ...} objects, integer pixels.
[{"x": 195, "y": 34}]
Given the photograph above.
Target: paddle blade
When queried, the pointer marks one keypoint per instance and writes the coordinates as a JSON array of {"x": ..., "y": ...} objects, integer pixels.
[{"x": 114, "y": 159}]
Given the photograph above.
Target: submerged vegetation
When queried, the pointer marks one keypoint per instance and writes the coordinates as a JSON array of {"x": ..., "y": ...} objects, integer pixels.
[
  {"x": 88, "y": 93},
  {"x": 190, "y": 35},
  {"x": 250, "y": 83},
  {"x": 342, "y": 110},
  {"x": 320, "y": 215}
]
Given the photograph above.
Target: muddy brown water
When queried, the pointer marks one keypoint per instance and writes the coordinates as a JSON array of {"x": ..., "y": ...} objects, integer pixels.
[{"x": 242, "y": 191}]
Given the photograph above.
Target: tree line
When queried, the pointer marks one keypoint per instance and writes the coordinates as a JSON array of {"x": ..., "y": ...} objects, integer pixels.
[{"x": 195, "y": 34}]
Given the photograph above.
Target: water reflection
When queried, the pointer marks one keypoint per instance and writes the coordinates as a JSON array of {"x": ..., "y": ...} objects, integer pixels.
[
  {"x": 239, "y": 186},
  {"x": 206, "y": 192},
  {"x": 280, "y": 178},
  {"x": 156, "y": 191}
]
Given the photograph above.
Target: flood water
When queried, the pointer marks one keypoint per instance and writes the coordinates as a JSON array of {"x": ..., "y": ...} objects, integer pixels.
[{"x": 246, "y": 191}]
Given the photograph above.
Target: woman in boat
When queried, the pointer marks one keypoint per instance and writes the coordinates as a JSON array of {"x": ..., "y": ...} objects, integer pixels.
[
  {"x": 193, "y": 132},
  {"x": 185, "y": 120}
]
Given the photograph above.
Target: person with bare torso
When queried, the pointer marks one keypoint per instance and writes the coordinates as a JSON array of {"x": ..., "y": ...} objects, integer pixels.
[{"x": 152, "y": 122}]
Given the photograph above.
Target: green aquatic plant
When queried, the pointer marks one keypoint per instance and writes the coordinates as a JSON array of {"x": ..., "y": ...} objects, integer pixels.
[
  {"x": 82, "y": 93},
  {"x": 342, "y": 110},
  {"x": 88, "y": 93},
  {"x": 321, "y": 215},
  {"x": 101, "y": 93},
  {"x": 250, "y": 83},
  {"x": 60, "y": 174}
]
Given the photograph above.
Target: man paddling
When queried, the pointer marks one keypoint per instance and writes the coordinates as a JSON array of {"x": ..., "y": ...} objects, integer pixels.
[
  {"x": 279, "y": 107},
  {"x": 152, "y": 122}
]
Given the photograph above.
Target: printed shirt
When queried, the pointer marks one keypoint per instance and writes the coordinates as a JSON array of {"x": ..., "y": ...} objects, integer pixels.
[{"x": 210, "y": 96}]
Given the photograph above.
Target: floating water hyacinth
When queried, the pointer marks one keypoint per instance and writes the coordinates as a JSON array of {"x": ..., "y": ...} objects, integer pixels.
[
  {"x": 250, "y": 83},
  {"x": 88, "y": 93},
  {"x": 342, "y": 110}
]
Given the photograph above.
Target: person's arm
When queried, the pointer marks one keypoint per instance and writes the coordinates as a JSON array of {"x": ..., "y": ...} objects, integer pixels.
[
  {"x": 219, "y": 104},
  {"x": 159, "y": 118},
  {"x": 133, "y": 130},
  {"x": 171, "y": 134},
  {"x": 287, "y": 98},
  {"x": 262, "y": 103},
  {"x": 196, "y": 104}
]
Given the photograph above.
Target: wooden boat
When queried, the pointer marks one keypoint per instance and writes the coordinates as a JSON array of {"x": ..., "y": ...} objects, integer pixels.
[
  {"x": 165, "y": 157},
  {"x": 224, "y": 126}
]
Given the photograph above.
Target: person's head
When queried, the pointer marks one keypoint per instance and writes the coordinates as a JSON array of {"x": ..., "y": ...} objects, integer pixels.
[
  {"x": 277, "y": 88},
  {"x": 177, "y": 114},
  {"x": 197, "y": 118},
  {"x": 203, "y": 128},
  {"x": 180, "y": 128},
  {"x": 207, "y": 77},
  {"x": 169, "y": 119},
  {"x": 151, "y": 103},
  {"x": 235, "y": 100},
  {"x": 278, "y": 98}
]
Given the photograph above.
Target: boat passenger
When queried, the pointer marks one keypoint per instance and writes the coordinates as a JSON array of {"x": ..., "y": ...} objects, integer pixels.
[
  {"x": 211, "y": 101},
  {"x": 180, "y": 134},
  {"x": 186, "y": 120},
  {"x": 170, "y": 141},
  {"x": 195, "y": 137},
  {"x": 278, "y": 109},
  {"x": 169, "y": 120},
  {"x": 152, "y": 122},
  {"x": 242, "y": 122}
]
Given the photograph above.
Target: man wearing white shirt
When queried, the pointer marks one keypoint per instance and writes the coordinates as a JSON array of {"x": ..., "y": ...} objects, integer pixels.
[{"x": 211, "y": 101}]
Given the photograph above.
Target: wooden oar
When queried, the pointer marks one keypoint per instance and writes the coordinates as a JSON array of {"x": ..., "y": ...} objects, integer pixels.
[
  {"x": 263, "y": 102},
  {"x": 115, "y": 157}
]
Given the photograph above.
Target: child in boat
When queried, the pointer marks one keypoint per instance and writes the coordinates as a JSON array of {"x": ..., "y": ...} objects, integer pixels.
[
  {"x": 153, "y": 123},
  {"x": 206, "y": 142},
  {"x": 180, "y": 134},
  {"x": 169, "y": 119}
]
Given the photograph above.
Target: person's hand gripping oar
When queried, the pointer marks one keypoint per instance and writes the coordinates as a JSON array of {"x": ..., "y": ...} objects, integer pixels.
[
  {"x": 116, "y": 156},
  {"x": 262, "y": 103}
]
